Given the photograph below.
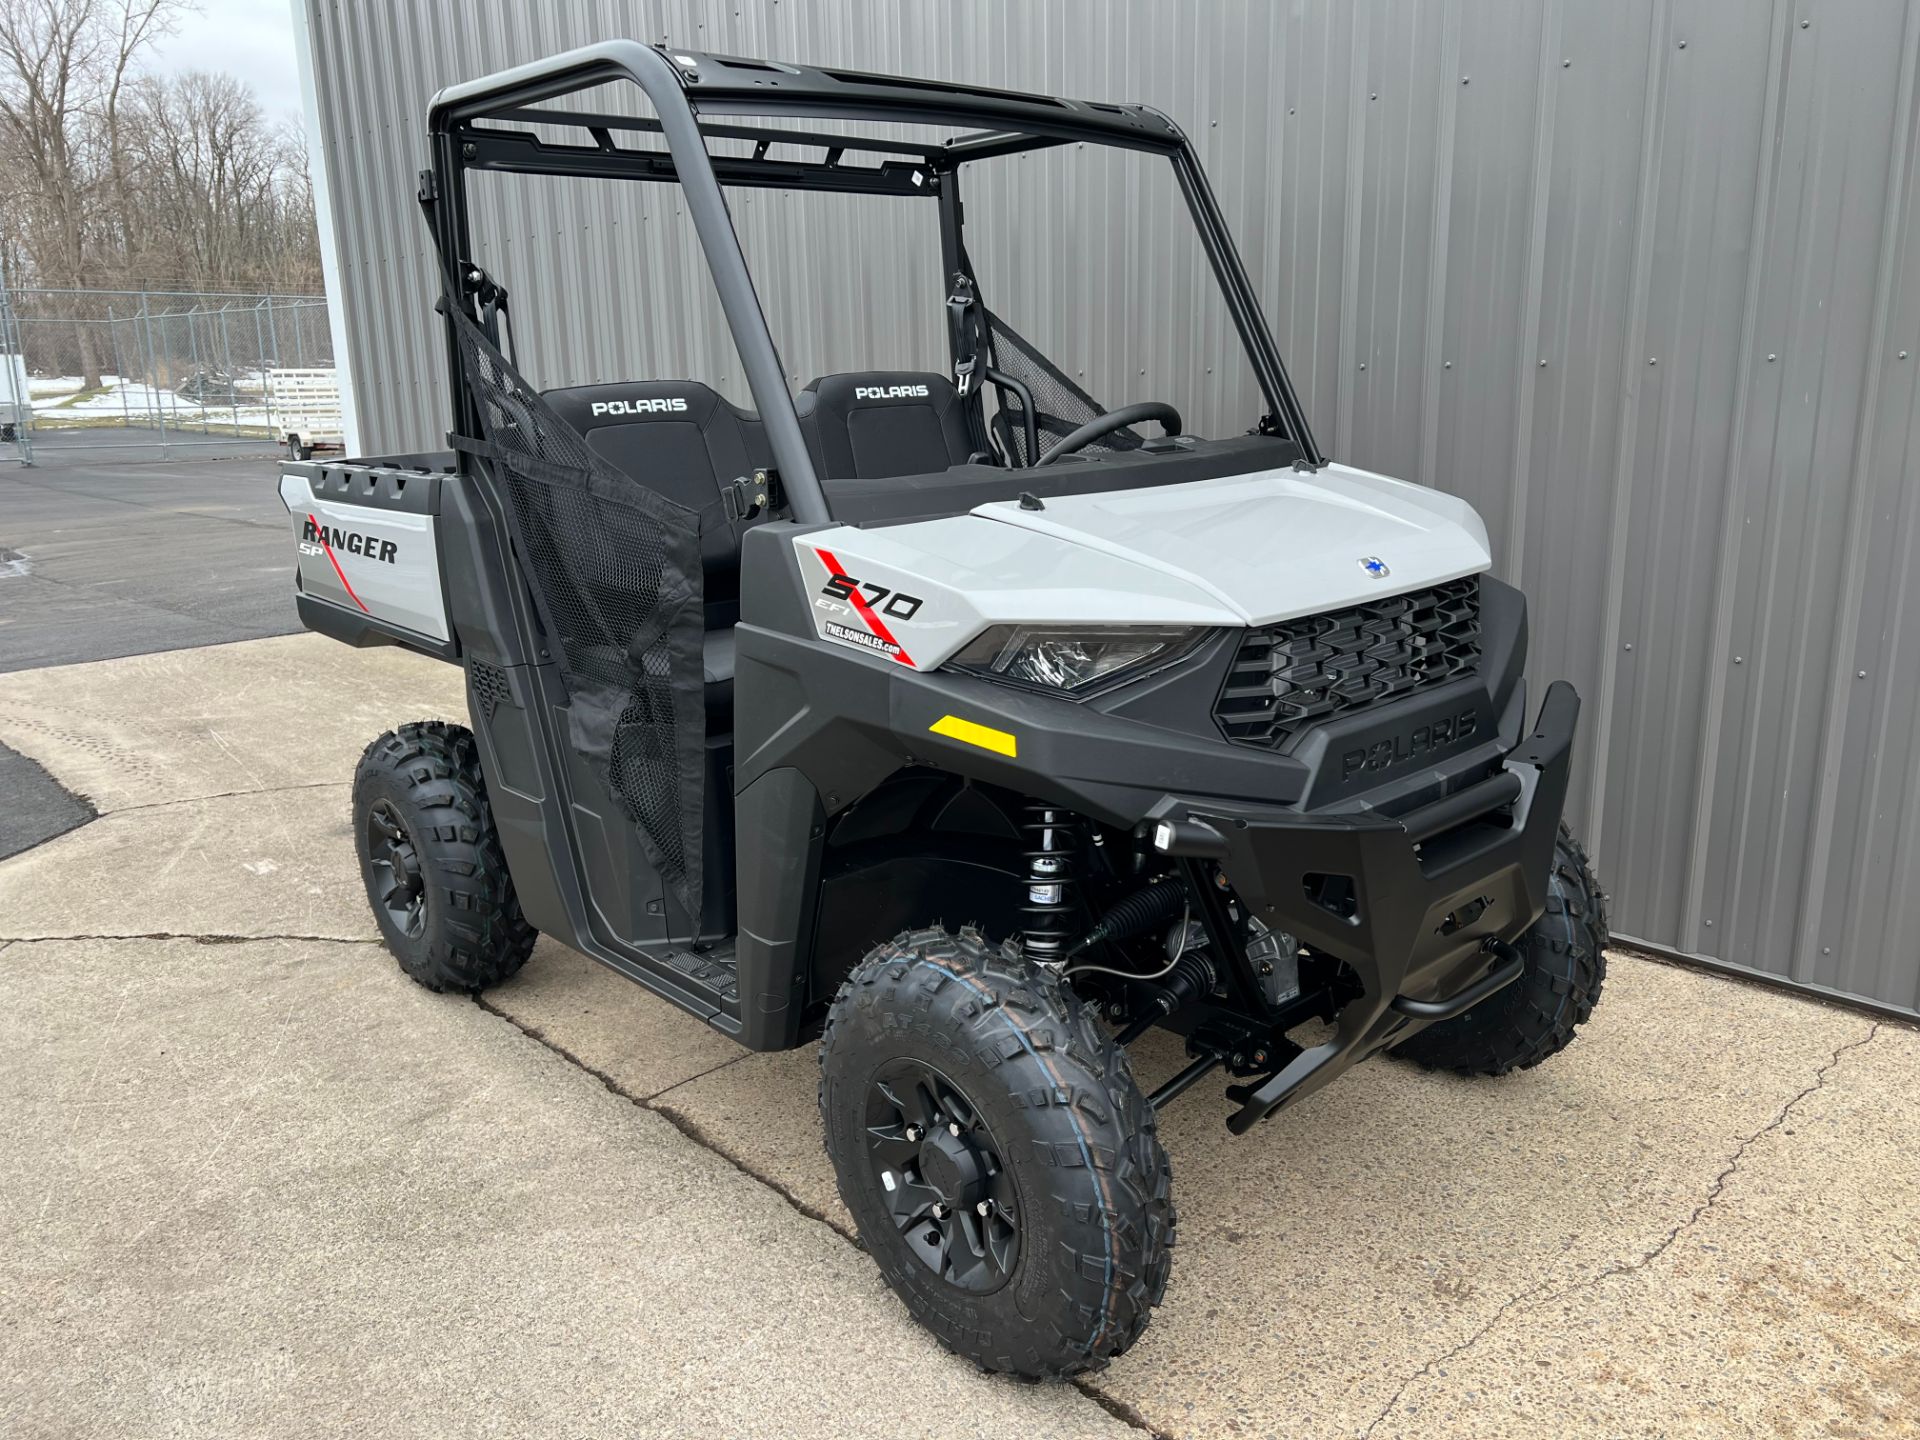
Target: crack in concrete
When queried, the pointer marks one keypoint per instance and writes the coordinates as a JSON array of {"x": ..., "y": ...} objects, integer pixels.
[
  {"x": 710, "y": 1070},
  {"x": 1119, "y": 1409},
  {"x": 1545, "y": 1291},
  {"x": 211, "y": 938},
  {"x": 227, "y": 795}
]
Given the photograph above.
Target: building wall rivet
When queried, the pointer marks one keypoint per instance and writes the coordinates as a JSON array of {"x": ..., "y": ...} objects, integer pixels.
[{"x": 1772, "y": 358}]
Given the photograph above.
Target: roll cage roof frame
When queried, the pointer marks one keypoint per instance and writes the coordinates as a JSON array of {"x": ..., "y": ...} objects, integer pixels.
[{"x": 469, "y": 128}]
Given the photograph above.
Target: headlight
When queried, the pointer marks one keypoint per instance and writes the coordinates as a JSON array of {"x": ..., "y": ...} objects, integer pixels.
[{"x": 1070, "y": 658}]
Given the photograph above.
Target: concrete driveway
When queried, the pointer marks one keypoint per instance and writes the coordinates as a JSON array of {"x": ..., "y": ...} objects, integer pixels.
[{"x": 257, "y": 1183}]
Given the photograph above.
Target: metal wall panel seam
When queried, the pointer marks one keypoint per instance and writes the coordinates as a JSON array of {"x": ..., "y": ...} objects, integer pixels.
[
  {"x": 1632, "y": 381},
  {"x": 1346, "y": 383},
  {"x": 1840, "y": 683},
  {"x": 1727, "y": 560},
  {"x": 1437, "y": 246},
  {"x": 1546, "y": 109}
]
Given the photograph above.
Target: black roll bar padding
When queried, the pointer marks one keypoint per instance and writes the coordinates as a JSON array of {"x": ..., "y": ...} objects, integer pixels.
[{"x": 662, "y": 83}]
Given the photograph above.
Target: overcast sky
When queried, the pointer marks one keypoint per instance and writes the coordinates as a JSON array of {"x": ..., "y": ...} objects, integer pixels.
[{"x": 252, "y": 39}]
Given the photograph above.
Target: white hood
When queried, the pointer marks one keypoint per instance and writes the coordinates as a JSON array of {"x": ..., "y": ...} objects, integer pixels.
[
  {"x": 1278, "y": 544},
  {"x": 1241, "y": 550}
]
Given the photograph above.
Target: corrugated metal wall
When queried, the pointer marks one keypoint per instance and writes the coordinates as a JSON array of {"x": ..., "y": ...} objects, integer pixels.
[{"x": 1640, "y": 279}]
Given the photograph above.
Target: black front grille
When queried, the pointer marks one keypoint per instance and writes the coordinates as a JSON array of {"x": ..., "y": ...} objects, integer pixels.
[{"x": 1299, "y": 672}]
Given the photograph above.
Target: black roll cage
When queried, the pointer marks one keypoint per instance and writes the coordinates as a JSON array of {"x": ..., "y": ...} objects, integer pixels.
[{"x": 683, "y": 84}]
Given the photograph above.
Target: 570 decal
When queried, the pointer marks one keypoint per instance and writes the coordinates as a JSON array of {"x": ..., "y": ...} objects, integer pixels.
[
  {"x": 869, "y": 602},
  {"x": 897, "y": 603}
]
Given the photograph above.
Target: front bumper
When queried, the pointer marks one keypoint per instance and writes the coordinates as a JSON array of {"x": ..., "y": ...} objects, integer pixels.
[{"x": 1416, "y": 905}]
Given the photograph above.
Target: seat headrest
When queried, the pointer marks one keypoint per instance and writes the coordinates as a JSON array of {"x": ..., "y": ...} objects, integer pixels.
[
  {"x": 882, "y": 387},
  {"x": 873, "y": 424},
  {"x": 631, "y": 402}
]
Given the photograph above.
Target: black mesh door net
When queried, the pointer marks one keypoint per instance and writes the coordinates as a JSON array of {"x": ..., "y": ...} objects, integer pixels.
[{"x": 615, "y": 573}]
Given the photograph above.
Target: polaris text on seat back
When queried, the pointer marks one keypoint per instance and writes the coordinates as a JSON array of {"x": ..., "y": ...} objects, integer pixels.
[{"x": 950, "y": 716}]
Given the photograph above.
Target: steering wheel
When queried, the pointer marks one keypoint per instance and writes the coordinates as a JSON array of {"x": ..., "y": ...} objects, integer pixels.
[{"x": 1113, "y": 420}]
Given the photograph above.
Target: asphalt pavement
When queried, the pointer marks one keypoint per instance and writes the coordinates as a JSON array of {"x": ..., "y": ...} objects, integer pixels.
[
  {"x": 102, "y": 555},
  {"x": 111, "y": 558}
]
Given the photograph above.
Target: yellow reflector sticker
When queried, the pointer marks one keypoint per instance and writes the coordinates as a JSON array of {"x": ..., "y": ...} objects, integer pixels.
[{"x": 967, "y": 732}]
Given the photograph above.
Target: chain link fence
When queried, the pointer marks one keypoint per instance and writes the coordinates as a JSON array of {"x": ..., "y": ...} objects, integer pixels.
[{"x": 160, "y": 369}]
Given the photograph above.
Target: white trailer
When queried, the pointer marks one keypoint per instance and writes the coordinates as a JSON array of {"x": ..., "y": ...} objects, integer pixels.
[
  {"x": 305, "y": 405},
  {"x": 15, "y": 408}
]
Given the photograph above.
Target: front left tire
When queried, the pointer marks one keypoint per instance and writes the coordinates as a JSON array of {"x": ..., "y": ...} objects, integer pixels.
[{"x": 1002, "y": 1165}]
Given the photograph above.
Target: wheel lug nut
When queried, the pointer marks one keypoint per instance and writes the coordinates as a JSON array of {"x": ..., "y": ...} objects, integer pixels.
[
  {"x": 984, "y": 1209},
  {"x": 939, "y": 1211},
  {"x": 914, "y": 1132},
  {"x": 953, "y": 1127}
]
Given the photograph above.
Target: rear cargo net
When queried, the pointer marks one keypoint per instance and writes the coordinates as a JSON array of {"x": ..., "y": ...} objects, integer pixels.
[
  {"x": 615, "y": 571},
  {"x": 1059, "y": 406}
]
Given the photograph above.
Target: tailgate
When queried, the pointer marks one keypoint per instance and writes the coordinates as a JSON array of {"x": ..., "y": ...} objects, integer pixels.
[{"x": 368, "y": 552}]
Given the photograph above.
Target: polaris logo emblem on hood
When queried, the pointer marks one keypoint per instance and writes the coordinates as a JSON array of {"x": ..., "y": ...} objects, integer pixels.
[
  {"x": 638, "y": 407},
  {"x": 1375, "y": 566},
  {"x": 889, "y": 392}
]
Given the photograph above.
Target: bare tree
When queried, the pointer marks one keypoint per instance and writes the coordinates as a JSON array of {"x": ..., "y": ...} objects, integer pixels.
[{"x": 63, "y": 66}]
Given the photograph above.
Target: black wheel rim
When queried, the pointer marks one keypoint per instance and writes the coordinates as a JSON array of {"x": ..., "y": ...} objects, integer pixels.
[
  {"x": 394, "y": 877},
  {"x": 940, "y": 1174}
]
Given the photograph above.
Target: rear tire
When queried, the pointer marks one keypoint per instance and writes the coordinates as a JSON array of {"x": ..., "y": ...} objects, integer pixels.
[
  {"x": 1536, "y": 1016},
  {"x": 431, "y": 859},
  {"x": 1034, "y": 1241}
]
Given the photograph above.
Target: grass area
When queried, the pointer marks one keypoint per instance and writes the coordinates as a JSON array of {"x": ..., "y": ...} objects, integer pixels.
[{"x": 67, "y": 402}]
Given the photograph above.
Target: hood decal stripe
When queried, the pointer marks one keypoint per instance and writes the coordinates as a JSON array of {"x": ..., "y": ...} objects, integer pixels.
[{"x": 864, "y": 610}]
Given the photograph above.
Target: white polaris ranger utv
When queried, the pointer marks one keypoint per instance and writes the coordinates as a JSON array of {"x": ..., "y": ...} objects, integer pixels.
[{"x": 946, "y": 716}]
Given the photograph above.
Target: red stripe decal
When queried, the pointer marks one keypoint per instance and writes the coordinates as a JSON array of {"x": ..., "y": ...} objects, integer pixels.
[
  {"x": 865, "y": 611},
  {"x": 321, "y": 535}
]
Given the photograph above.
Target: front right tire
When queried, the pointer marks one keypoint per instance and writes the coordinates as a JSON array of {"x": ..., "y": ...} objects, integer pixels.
[
  {"x": 1536, "y": 1016},
  {"x": 1002, "y": 1165}
]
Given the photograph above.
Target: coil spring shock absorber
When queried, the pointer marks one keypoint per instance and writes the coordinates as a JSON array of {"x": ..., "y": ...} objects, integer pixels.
[{"x": 1052, "y": 853}]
